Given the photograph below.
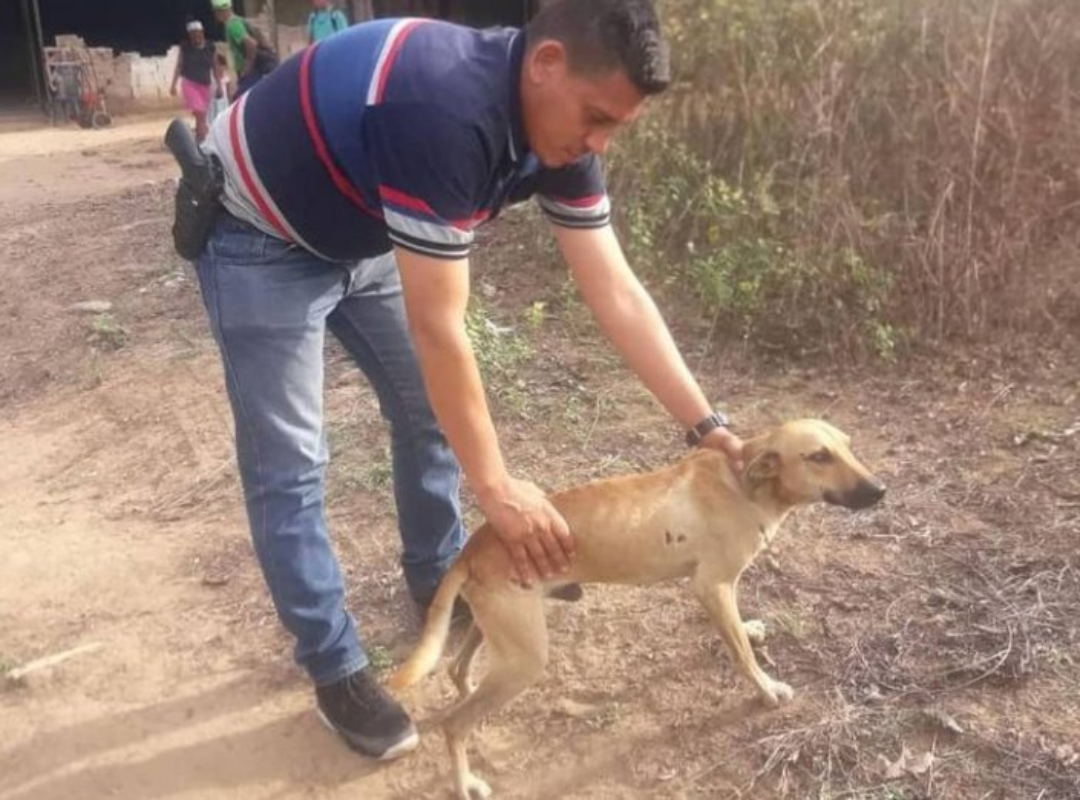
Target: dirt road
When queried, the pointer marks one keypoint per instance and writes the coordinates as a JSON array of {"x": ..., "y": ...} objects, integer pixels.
[{"x": 122, "y": 531}]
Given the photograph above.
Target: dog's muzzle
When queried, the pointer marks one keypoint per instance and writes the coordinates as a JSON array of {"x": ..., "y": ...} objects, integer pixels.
[{"x": 866, "y": 494}]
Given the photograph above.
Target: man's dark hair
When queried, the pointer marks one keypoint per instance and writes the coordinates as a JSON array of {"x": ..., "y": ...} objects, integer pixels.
[{"x": 602, "y": 36}]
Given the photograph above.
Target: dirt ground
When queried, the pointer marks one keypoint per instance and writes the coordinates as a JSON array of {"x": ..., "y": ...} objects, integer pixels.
[{"x": 933, "y": 642}]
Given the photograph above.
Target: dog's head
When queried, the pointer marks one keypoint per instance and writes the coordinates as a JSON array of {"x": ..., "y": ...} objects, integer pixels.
[{"x": 808, "y": 460}]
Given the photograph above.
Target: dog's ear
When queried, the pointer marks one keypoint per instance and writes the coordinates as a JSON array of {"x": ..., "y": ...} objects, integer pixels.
[{"x": 763, "y": 467}]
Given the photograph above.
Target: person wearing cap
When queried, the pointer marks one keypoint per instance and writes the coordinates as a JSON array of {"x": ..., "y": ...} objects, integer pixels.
[
  {"x": 355, "y": 177},
  {"x": 195, "y": 72},
  {"x": 242, "y": 44}
]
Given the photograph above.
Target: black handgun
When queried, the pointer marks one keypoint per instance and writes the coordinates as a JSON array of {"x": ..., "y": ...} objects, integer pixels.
[{"x": 198, "y": 195}]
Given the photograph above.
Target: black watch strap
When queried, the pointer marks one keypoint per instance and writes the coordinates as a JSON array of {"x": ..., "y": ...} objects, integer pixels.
[{"x": 705, "y": 427}]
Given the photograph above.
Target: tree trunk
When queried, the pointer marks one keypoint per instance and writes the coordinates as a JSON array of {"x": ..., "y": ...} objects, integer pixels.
[
  {"x": 361, "y": 10},
  {"x": 271, "y": 19}
]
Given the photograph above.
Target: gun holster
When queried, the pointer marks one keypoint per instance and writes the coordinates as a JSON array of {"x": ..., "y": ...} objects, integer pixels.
[{"x": 198, "y": 194}]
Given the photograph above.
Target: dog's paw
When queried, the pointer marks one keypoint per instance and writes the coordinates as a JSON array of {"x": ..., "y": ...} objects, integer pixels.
[
  {"x": 474, "y": 788},
  {"x": 755, "y": 631},
  {"x": 777, "y": 693},
  {"x": 783, "y": 691}
]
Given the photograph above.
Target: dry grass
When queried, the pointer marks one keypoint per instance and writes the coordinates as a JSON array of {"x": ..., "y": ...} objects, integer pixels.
[{"x": 906, "y": 170}]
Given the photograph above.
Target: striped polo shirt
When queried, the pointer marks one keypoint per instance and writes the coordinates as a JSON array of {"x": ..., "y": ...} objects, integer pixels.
[{"x": 402, "y": 132}]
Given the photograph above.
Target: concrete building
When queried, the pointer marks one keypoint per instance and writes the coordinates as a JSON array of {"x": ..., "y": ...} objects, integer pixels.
[{"x": 133, "y": 42}]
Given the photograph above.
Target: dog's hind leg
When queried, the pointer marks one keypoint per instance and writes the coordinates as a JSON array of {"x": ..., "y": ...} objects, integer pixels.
[
  {"x": 462, "y": 666},
  {"x": 719, "y": 598},
  {"x": 513, "y": 626}
]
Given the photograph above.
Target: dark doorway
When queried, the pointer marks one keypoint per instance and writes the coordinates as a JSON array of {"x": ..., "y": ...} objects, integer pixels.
[
  {"x": 149, "y": 27},
  {"x": 478, "y": 13},
  {"x": 484, "y": 13},
  {"x": 139, "y": 26},
  {"x": 16, "y": 69}
]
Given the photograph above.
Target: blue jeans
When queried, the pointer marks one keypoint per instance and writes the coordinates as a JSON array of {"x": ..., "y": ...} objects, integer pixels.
[{"x": 270, "y": 304}]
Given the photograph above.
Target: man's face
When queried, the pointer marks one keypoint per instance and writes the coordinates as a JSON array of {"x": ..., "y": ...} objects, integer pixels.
[
  {"x": 567, "y": 116},
  {"x": 222, "y": 14},
  {"x": 320, "y": 5},
  {"x": 197, "y": 37}
]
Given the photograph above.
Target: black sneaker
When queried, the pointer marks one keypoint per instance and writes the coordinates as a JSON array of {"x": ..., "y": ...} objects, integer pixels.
[{"x": 369, "y": 720}]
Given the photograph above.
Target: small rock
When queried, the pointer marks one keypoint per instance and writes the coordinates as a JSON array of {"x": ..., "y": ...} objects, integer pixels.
[
  {"x": 906, "y": 763},
  {"x": 873, "y": 694},
  {"x": 920, "y": 763},
  {"x": 1067, "y": 755},
  {"x": 944, "y": 720},
  {"x": 576, "y": 710},
  {"x": 91, "y": 307}
]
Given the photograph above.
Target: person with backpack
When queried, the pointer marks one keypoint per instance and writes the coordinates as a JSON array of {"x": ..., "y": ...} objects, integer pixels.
[
  {"x": 324, "y": 21},
  {"x": 253, "y": 55}
]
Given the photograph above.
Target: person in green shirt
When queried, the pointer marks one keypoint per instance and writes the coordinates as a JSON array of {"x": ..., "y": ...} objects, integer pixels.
[
  {"x": 252, "y": 58},
  {"x": 325, "y": 20}
]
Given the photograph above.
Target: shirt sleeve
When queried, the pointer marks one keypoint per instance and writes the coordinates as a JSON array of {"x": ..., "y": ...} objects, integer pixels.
[
  {"x": 236, "y": 31},
  {"x": 575, "y": 196},
  {"x": 431, "y": 170}
]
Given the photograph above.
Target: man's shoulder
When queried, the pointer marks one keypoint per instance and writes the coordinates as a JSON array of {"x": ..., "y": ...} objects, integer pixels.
[
  {"x": 236, "y": 25},
  {"x": 452, "y": 67},
  {"x": 450, "y": 38}
]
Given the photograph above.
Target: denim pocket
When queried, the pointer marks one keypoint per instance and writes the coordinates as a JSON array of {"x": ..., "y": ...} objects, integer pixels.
[{"x": 241, "y": 244}]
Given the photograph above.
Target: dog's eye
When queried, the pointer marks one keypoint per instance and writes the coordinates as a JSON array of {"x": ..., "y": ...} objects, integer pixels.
[{"x": 821, "y": 457}]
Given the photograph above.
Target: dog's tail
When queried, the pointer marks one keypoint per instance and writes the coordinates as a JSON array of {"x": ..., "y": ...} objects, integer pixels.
[{"x": 436, "y": 630}]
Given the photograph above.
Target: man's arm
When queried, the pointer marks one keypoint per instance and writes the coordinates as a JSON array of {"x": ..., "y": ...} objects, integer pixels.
[
  {"x": 251, "y": 50},
  {"x": 436, "y": 293},
  {"x": 237, "y": 32},
  {"x": 629, "y": 318}
]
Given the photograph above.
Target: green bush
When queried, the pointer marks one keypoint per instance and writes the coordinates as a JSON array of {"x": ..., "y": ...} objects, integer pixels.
[{"x": 848, "y": 177}]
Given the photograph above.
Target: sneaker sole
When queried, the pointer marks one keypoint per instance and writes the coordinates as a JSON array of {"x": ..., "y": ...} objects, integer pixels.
[{"x": 404, "y": 747}]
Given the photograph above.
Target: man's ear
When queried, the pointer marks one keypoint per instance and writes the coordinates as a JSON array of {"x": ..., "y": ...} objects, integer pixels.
[
  {"x": 544, "y": 59},
  {"x": 763, "y": 467}
]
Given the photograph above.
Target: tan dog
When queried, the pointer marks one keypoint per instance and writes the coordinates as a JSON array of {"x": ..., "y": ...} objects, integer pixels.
[{"x": 695, "y": 519}]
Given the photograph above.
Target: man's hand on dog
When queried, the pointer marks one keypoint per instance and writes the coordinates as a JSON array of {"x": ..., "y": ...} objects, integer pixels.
[
  {"x": 724, "y": 440},
  {"x": 534, "y": 533}
]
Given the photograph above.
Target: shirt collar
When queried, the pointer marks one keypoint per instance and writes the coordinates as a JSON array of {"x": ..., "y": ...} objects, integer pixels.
[{"x": 519, "y": 147}]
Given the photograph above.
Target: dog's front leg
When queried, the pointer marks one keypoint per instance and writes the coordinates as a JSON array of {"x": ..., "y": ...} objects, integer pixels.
[{"x": 719, "y": 599}]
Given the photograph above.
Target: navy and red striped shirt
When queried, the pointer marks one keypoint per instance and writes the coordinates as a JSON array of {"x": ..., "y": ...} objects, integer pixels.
[{"x": 394, "y": 132}]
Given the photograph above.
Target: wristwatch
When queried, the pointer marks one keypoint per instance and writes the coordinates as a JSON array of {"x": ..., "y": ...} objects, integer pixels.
[{"x": 702, "y": 429}]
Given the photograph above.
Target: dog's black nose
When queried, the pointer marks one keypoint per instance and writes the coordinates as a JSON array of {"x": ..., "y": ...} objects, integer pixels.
[{"x": 868, "y": 493}]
